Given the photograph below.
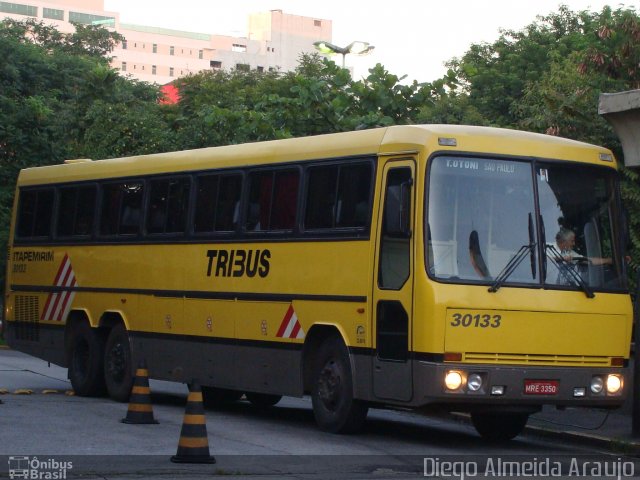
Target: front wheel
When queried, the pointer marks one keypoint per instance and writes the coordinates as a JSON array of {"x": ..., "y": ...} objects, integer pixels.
[
  {"x": 499, "y": 427},
  {"x": 117, "y": 364},
  {"x": 334, "y": 407},
  {"x": 86, "y": 360}
]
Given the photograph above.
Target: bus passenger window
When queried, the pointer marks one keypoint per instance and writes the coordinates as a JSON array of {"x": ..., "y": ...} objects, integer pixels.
[
  {"x": 228, "y": 203},
  {"x": 35, "y": 213},
  {"x": 206, "y": 196},
  {"x": 353, "y": 196},
  {"x": 168, "y": 203},
  {"x": 273, "y": 198},
  {"x": 121, "y": 208},
  {"x": 76, "y": 211},
  {"x": 217, "y": 203},
  {"x": 321, "y": 197},
  {"x": 338, "y": 196}
]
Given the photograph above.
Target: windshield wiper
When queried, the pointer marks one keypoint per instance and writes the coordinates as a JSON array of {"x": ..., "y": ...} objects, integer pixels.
[
  {"x": 511, "y": 266},
  {"x": 567, "y": 271},
  {"x": 517, "y": 260}
]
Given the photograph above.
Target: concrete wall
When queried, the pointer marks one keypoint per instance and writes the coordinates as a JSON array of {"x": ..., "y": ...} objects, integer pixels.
[{"x": 622, "y": 110}]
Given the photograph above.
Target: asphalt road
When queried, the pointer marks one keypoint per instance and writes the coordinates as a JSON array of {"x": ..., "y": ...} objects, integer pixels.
[{"x": 278, "y": 442}]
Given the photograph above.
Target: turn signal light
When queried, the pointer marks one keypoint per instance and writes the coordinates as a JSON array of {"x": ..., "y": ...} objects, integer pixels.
[{"x": 452, "y": 357}]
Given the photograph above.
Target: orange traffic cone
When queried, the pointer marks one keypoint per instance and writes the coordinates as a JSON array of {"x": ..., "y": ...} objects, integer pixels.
[
  {"x": 193, "y": 446},
  {"x": 140, "y": 410}
]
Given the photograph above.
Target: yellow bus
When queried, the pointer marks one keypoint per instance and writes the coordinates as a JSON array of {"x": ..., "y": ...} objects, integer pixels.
[{"x": 431, "y": 267}]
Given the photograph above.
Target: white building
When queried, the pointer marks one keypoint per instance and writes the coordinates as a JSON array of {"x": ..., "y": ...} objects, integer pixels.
[{"x": 275, "y": 40}]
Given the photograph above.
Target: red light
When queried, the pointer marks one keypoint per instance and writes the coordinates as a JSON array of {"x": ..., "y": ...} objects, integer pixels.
[{"x": 452, "y": 357}]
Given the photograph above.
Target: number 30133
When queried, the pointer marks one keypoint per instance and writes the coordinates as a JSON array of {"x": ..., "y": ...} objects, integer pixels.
[{"x": 477, "y": 320}]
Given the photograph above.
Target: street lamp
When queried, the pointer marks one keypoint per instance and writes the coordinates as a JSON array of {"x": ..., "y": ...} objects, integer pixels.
[{"x": 355, "y": 48}]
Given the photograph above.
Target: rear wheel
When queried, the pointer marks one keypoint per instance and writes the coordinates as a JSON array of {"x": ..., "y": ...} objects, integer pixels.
[
  {"x": 86, "y": 360},
  {"x": 263, "y": 400},
  {"x": 499, "y": 427},
  {"x": 334, "y": 407},
  {"x": 117, "y": 364}
]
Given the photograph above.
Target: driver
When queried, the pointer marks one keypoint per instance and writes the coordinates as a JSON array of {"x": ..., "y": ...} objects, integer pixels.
[{"x": 565, "y": 244}]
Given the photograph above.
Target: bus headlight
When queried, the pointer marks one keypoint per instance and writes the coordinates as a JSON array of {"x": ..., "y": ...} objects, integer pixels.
[
  {"x": 597, "y": 384},
  {"x": 453, "y": 380},
  {"x": 474, "y": 382},
  {"x": 614, "y": 384}
]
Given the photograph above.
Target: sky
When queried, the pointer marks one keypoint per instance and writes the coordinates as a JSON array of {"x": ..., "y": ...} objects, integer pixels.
[{"x": 411, "y": 37}]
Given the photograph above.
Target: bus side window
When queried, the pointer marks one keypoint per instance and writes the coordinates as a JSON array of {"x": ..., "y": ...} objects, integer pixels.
[
  {"x": 206, "y": 197},
  {"x": 354, "y": 190},
  {"x": 121, "y": 212},
  {"x": 322, "y": 184},
  {"x": 395, "y": 244},
  {"x": 228, "y": 203},
  {"x": 168, "y": 203},
  {"x": 217, "y": 203},
  {"x": 273, "y": 200},
  {"x": 338, "y": 196},
  {"x": 76, "y": 208},
  {"x": 35, "y": 213}
]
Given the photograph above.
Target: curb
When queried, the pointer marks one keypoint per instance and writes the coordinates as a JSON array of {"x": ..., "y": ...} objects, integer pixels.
[{"x": 627, "y": 446}]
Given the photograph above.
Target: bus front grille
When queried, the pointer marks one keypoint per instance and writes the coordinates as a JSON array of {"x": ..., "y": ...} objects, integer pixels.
[
  {"x": 27, "y": 326},
  {"x": 532, "y": 359}
]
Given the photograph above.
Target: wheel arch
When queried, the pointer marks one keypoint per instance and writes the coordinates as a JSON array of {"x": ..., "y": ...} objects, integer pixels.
[
  {"x": 111, "y": 318},
  {"x": 74, "y": 318},
  {"x": 317, "y": 335}
]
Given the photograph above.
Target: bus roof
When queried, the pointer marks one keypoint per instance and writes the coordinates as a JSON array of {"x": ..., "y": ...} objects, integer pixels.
[{"x": 424, "y": 139}]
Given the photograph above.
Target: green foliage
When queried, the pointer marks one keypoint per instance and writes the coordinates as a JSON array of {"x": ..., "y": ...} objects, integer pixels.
[
  {"x": 53, "y": 86},
  {"x": 88, "y": 40}
]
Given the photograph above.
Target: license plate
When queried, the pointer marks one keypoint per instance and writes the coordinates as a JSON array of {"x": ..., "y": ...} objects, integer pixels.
[{"x": 541, "y": 387}]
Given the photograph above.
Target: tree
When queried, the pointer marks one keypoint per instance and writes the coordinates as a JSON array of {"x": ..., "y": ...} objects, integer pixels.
[{"x": 50, "y": 85}]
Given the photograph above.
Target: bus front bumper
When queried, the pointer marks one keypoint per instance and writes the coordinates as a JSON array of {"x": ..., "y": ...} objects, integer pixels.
[{"x": 484, "y": 385}]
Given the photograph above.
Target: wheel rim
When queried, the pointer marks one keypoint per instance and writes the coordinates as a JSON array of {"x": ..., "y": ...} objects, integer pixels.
[
  {"x": 116, "y": 362},
  {"x": 329, "y": 386}
]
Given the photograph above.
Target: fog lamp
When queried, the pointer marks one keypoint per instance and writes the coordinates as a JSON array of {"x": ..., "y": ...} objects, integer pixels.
[
  {"x": 597, "y": 385},
  {"x": 474, "y": 382}
]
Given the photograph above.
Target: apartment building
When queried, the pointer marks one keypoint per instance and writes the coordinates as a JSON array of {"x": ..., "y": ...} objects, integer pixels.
[{"x": 275, "y": 40}]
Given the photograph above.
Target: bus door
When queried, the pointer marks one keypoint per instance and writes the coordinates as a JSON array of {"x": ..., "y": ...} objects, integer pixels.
[{"x": 393, "y": 283}]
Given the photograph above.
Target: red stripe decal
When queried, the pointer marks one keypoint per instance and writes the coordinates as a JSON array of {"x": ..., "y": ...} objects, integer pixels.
[{"x": 285, "y": 321}]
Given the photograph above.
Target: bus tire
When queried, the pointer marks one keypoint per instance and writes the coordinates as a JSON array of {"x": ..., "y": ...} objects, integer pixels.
[
  {"x": 263, "y": 400},
  {"x": 213, "y": 397},
  {"x": 499, "y": 427},
  {"x": 334, "y": 407},
  {"x": 118, "y": 369},
  {"x": 86, "y": 360}
]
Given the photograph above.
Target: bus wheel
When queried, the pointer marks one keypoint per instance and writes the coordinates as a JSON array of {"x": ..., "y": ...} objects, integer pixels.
[
  {"x": 263, "y": 400},
  {"x": 213, "y": 397},
  {"x": 334, "y": 407},
  {"x": 85, "y": 361},
  {"x": 117, "y": 364},
  {"x": 499, "y": 427}
]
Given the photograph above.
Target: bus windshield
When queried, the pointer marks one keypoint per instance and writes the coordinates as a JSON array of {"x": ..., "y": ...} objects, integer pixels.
[{"x": 482, "y": 224}]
